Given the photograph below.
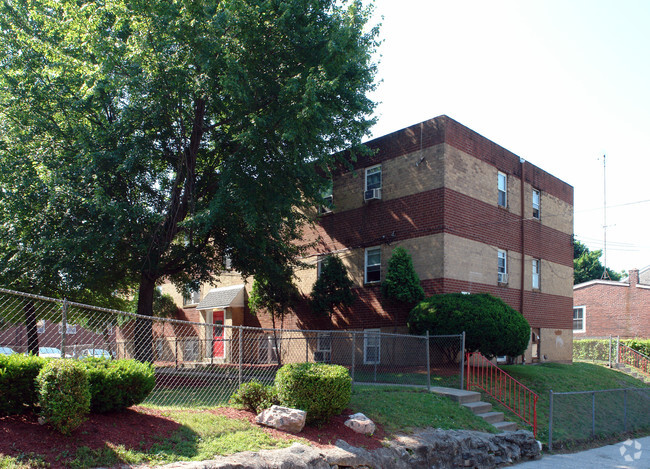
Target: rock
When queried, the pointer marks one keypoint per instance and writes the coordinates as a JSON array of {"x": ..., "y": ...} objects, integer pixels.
[
  {"x": 283, "y": 418},
  {"x": 361, "y": 424}
]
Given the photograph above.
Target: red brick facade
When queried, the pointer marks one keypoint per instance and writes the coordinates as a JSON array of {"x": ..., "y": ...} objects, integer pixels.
[{"x": 614, "y": 308}]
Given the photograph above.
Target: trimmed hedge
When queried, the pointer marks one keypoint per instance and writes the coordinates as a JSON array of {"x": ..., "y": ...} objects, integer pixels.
[
  {"x": 18, "y": 390},
  {"x": 596, "y": 349},
  {"x": 319, "y": 389},
  {"x": 117, "y": 384},
  {"x": 64, "y": 394},
  {"x": 255, "y": 396}
]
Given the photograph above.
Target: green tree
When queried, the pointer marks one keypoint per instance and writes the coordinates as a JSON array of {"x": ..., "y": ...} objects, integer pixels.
[
  {"x": 274, "y": 296},
  {"x": 402, "y": 282},
  {"x": 491, "y": 326},
  {"x": 150, "y": 140},
  {"x": 333, "y": 288},
  {"x": 587, "y": 265}
]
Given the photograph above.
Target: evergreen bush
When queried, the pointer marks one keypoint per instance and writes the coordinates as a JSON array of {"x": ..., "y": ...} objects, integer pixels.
[
  {"x": 333, "y": 288},
  {"x": 64, "y": 394},
  {"x": 18, "y": 390},
  {"x": 402, "y": 282},
  {"x": 491, "y": 326},
  {"x": 319, "y": 389}
]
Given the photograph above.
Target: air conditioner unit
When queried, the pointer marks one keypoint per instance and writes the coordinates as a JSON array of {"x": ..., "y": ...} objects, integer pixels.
[
  {"x": 503, "y": 277},
  {"x": 322, "y": 357},
  {"x": 328, "y": 202},
  {"x": 372, "y": 194}
]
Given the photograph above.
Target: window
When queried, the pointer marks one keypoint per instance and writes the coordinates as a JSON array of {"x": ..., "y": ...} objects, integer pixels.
[
  {"x": 69, "y": 329},
  {"x": 373, "y": 265},
  {"x": 227, "y": 262},
  {"x": 40, "y": 327},
  {"x": 319, "y": 265},
  {"x": 536, "y": 265},
  {"x": 373, "y": 178},
  {"x": 328, "y": 201},
  {"x": 191, "y": 350},
  {"x": 536, "y": 198},
  {"x": 371, "y": 346},
  {"x": 502, "y": 266},
  {"x": 502, "y": 185},
  {"x": 324, "y": 347},
  {"x": 192, "y": 297},
  {"x": 579, "y": 319}
]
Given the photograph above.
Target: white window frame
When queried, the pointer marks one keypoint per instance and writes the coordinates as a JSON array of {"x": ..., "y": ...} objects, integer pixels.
[
  {"x": 323, "y": 347},
  {"x": 70, "y": 329},
  {"x": 583, "y": 318},
  {"x": 536, "y": 265},
  {"x": 366, "y": 266},
  {"x": 40, "y": 327},
  {"x": 193, "y": 299},
  {"x": 373, "y": 170},
  {"x": 319, "y": 265},
  {"x": 502, "y": 272},
  {"x": 502, "y": 190},
  {"x": 537, "y": 204},
  {"x": 328, "y": 200},
  {"x": 191, "y": 350},
  {"x": 371, "y": 339}
]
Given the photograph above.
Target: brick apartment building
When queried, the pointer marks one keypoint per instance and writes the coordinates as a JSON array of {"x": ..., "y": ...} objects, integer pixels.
[
  {"x": 474, "y": 216},
  {"x": 604, "y": 307}
]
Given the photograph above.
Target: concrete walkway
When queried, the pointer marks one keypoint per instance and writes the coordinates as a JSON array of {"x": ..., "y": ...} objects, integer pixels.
[{"x": 606, "y": 457}]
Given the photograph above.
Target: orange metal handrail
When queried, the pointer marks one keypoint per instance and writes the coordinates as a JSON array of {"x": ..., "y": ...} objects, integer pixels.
[
  {"x": 485, "y": 375},
  {"x": 631, "y": 357}
]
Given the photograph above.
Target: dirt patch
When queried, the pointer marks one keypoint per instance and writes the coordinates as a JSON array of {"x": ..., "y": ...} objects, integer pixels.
[{"x": 139, "y": 428}]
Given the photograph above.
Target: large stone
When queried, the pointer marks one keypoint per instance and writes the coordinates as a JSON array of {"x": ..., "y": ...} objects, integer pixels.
[
  {"x": 283, "y": 418},
  {"x": 361, "y": 424}
]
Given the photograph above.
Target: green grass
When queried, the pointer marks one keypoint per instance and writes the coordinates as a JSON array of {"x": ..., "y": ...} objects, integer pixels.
[
  {"x": 573, "y": 413},
  {"x": 416, "y": 379},
  {"x": 404, "y": 409}
]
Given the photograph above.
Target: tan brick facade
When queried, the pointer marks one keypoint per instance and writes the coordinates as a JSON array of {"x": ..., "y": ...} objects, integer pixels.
[{"x": 439, "y": 200}]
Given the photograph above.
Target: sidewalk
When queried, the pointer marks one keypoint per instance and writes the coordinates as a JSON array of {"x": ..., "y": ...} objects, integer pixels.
[{"x": 606, "y": 457}]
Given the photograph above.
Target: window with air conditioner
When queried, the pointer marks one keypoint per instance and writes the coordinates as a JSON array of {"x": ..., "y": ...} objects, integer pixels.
[
  {"x": 371, "y": 346},
  {"x": 192, "y": 297},
  {"x": 502, "y": 186},
  {"x": 373, "y": 265},
  {"x": 373, "y": 183},
  {"x": 323, "y": 351},
  {"x": 535, "y": 270},
  {"x": 579, "y": 319},
  {"x": 502, "y": 266},
  {"x": 536, "y": 204},
  {"x": 327, "y": 203}
]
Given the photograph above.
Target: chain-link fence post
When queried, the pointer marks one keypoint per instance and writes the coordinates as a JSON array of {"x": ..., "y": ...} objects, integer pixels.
[
  {"x": 625, "y": 410},
  {"x": 428, "y": 362},
  {"x": 550, "y": 420},
  {"x": 618, "y": 350},
  {"x": 176, "y": 352},
  {"x": 241, "y": 354},
  {"x": 64, "y": 326},
  {"x": 307, "y": 347},
  {"x": 610, "y": 351},
  {"x": 462, "y": 361},
  {"x": 593, "y": 414},
  {"x": 354, "y": 342}
]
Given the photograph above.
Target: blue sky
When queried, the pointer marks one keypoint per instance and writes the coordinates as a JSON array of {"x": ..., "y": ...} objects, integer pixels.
[{"x": 559, "y": 83}]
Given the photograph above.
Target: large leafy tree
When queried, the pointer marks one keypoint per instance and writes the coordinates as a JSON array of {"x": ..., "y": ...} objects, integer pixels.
[
  {"x": 587, "y": 265},
  {"x": 148, "y": 140}
]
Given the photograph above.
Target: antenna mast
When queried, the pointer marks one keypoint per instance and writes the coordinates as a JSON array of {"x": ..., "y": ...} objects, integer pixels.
[{"x": 605, "y": 275}]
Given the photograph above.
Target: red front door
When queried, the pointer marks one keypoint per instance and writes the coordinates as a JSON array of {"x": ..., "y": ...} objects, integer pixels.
[{"x": 217, "y": 342}]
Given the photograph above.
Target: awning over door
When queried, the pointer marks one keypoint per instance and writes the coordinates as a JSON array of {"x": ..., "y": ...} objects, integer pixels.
[{"x": 223, "y": 297}]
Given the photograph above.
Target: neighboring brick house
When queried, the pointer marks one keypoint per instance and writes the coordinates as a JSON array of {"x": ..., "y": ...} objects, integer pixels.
[
  {"x": 604, "y": 307},
  {"x": 455, "y": 200}
]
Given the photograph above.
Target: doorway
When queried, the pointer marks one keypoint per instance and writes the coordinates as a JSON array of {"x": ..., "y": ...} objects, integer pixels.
[{"x": 217, "y": 335}]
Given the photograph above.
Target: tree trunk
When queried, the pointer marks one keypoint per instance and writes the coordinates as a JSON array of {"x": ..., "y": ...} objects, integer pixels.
[
  {"x": 32, "y": 332},
  {"x": 143, "y": 340}
]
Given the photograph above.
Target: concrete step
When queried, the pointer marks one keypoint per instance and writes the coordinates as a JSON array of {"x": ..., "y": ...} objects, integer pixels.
[
  {"x": 506, "y": 426},
  {"x": 459, "y": 395},
  {"x": 478, "y": 407},
  {"x": 491, "y": 417}
]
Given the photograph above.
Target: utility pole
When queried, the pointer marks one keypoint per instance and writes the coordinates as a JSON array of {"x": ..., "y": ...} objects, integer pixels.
[{"x": 605, "y": 275}]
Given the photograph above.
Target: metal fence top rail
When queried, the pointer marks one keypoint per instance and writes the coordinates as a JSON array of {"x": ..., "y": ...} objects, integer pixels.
[
  {"x": 646, "y": 389},
  {"x": 203, "y": 324}
]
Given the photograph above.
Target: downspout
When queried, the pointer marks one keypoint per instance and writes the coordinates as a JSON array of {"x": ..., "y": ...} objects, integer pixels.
[{"x": 523, "y": 217}]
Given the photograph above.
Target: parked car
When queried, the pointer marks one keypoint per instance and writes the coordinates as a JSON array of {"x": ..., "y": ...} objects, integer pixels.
[
  {"x": 6, "y": 351},
  {"x": 95, "y": 352},
  {"x": 49, "y": 352}
]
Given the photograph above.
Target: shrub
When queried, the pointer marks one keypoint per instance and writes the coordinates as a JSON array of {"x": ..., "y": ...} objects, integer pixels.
[
  {"x": 333, "y": 288},
  {"x": 18, "y": 391},
  {"x": 255, "y": 396},
  {"x": 402, "y": 282},
  {"x": 64, "y": 394},
  {"x": 117, "y": 384},
  {"x": 491, "y": 326},
  {"x": 640, "y": 345},
  {"x": 320, "y": 390},
  {"x": 593, "y": 349}
]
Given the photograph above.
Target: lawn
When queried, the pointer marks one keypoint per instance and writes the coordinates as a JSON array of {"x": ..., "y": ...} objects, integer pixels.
[{"x": 573, "y": 413}]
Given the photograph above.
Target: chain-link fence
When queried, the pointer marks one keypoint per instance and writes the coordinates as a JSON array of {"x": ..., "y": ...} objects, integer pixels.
[
  {"x": 202, "y": 363},
  {"x": 587, "y": 414},
  {"x": 598, "y": 350}
]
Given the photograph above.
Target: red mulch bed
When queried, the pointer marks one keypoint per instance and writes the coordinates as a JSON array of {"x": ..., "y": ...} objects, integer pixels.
[{"x": 139, "y": 428}]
